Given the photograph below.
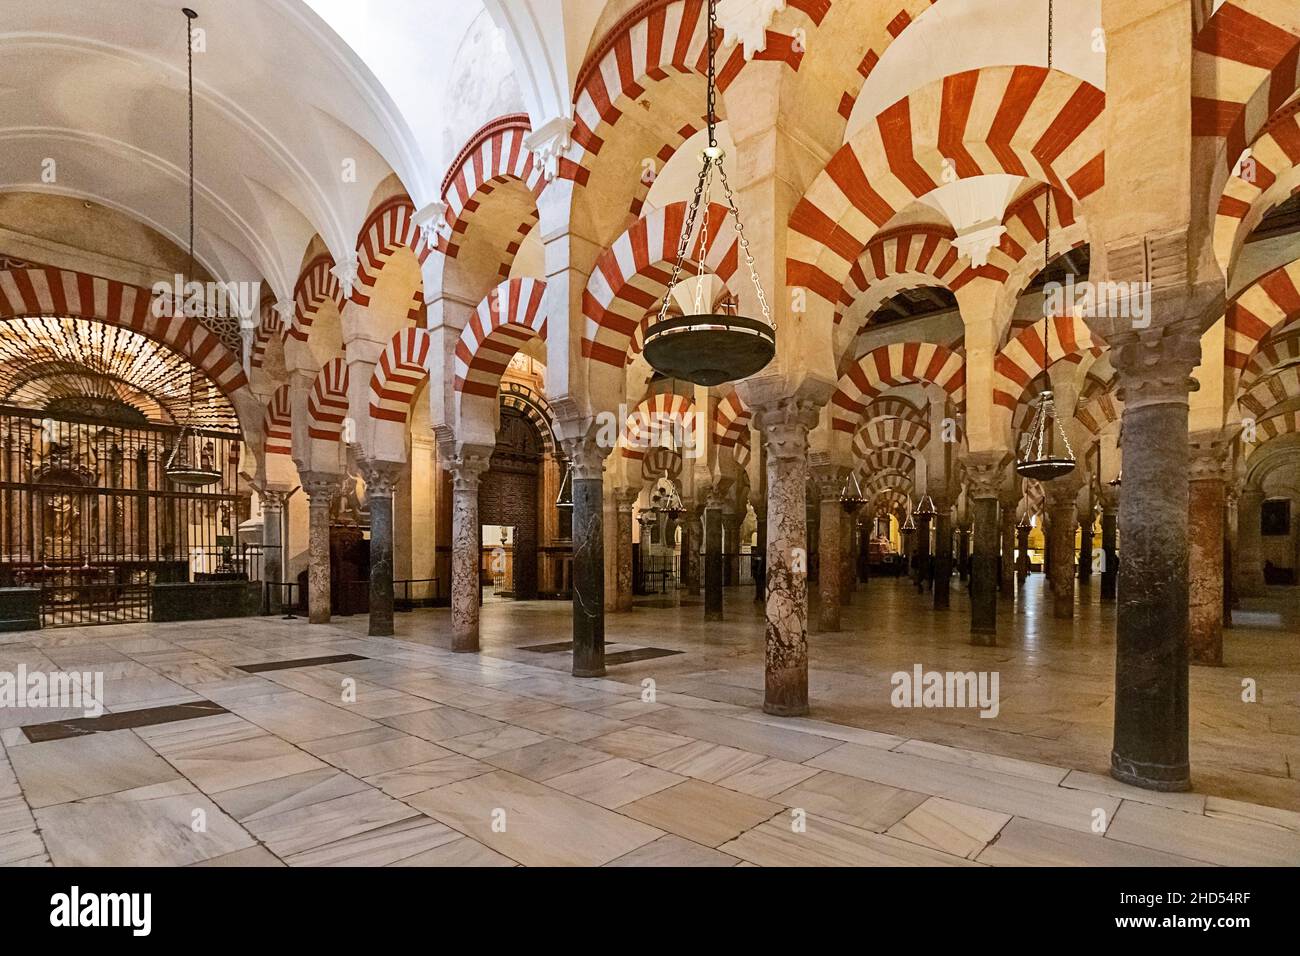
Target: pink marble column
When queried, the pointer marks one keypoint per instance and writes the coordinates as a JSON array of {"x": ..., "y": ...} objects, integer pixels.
[
  {"x": 1007, "y": 578},
  {"x": 466, "y": 547},
  {"x": 624, "y": 502},
  {"x": 1206, "y": 509},
  {"x": 848, "y": 569},
  {"x": 322, "y": 488},
  {"x": 784, "y": 425}
]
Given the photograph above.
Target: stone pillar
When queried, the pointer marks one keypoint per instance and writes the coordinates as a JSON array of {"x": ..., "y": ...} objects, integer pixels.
[
  {"x": 1151, "y": 719},
  {"x": 1087, "y": 541},
  {"x": 692, "y": 537},
  {"x": 624, "y": 500},
  {"x": 1250, "y": 545},
  {"x": 1230, "y": 599},
  {"x": 1206, "y": 507},
  {"x": 922, "y": 549},
  {"x": 760, "y": 547},
  {"x": 731, "y": 548},
  {"x": 983, "y": 476},
  {"x": 1007, "y": 566},
  {"x": 784, "y": 425},
  {"x": 1060, "y": 543},
  {"x": 466, "y": 546},
  {"x": 713, "y": 557},
  {"x": 322, "y": 488},
  {"x": 848, "y": 570},
  {"x": 942, "y": 553},
  {"x": 273, "y": 501},
  {"x": 963, "y": 551},
  {"x": 381, "y": 480},
  {"x": 1022, "y": 545},
  {"x": 830, "y": 547},
  {"x": 1109, "y": 552},
  {"x": 587, "y": 459}
]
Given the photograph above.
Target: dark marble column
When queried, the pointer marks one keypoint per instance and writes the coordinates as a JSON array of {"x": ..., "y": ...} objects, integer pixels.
[
  {"x": 624, "y": 501},
  {"x": 273, "y": 501},
  {"x": 1022, "y": 555},
  {"x": 830, "y": 520},
  {"x": 692, "y": 538},
  {"x": 1250, "y": 545},
  {"x": 1206, "y": 507},
  {"x": 1061, "y": 496},
  {"x": 322, "y": 488},
  {"x": 1007, "y": 566},
  {"x": 1151, "y": 717},
  {"x": 983, "y": 472},
  {"x": 731, "y": 548},
  {"x": 1087, "y": 541},
  {"x": 466, "y": 546},
  {"x": 784, "y": 425},
  {"x": 381, "y": 480},
  {"x": 760, "y": 547},
  {"x": 922, "y": 550},
  {"x": 713, "y": 558},
  {"x": 942, "y": 553},
  {"x": 848, "y": 556},
  {"x": 1109, "y": 553},
  {"x": 587, "y": 459},
  {"x": 963, "y": 551}
]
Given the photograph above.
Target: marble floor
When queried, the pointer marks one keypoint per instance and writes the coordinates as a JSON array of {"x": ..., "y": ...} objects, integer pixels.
[{"x": 233, "y": 743}]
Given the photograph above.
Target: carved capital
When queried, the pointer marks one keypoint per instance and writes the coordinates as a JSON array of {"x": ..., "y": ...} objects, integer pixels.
[
  {"x": 548, "y": 143},
  {"x": 625, "y": 499},
  {"x": 381, "y": 477},
  {"x": 1155, "y": 366},
  {"x": 273, "y": 499},
  {"x": 1208, "y": 457},
  {"x": 346, "y": 272},
  {"x": 586, "y": 455},
  {"x": 784, "y": 425},
  {"x": 984, "y": 474},
  {"x": 322, "y": 487}
]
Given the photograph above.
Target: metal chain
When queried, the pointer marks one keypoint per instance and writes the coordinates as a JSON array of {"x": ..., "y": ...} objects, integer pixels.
[
  {"x": 1047, "y": 216},
  {"x": 744, "y": 246},
  {"x": 712, "y": 94},
  {"x": 706, "y": 201},
  {"x": 688, "y": 229}
]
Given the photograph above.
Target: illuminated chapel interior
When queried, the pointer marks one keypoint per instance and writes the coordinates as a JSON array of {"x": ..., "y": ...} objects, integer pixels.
[{"x": 401, "y": 385}]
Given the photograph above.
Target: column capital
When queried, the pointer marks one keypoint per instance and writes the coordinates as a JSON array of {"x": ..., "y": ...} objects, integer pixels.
[
  {"x": 321, "y": 486},
  {"x": 1155, "y": 365},
  {"x": 273, "y": 499},
  {"x": 586, "y": 455},
  {"x": 828, "y": 480},
  {"x": 380, "y": 476},
  {"x": 467, "y": 464},
  {"x": 1208, "y": 455},
  {"x": 984, "y": 473},
  {"x": 784, "y": 424},
  {"x": 625, "y": 499}
]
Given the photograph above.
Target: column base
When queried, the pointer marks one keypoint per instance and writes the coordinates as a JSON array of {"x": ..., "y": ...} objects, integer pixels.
[
  {"x": 785, "y": 710},
  {"x": 1160, "y": 777},
  {"x": 713, "y": 615},
  {"x": 466, "y": 648},
  {"x": 984, "y": 638},
  {"x": 1214, "y": 662},
  {"x": 380, "y": 631},
  {"x": 589, "y": 672},
  {"x": 318, "y": 618}
]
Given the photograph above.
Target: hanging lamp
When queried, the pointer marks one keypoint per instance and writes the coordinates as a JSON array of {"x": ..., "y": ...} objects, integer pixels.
[
  {"x": 925, "y": 507},
  {"x": 705, "y": 347},
  {"x": 851, "y": 497},
  {"x": 564, "y": 499},
  {"x": 1045, "y": 452},
  {"x": 908, "y": 524},
  {"x": 183, "y": 467}
]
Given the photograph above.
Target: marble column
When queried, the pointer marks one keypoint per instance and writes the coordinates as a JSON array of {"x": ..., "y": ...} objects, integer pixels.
[
  {"x": 784, "y": 425},
  {"x": 692, "y": 539},
  {"x": 731, "y": 548},
  {"x": 760, "y": 547},
  {"x": 466, "y": 547},
  {"x": 587, "y": 458},
  {"x": 1109, "y": 552},
  {"x": 381, "y": 479},
  {"x": 624, "y": 501},
  {"x": 1007, "y": 566},
  {"x": 1151, "y": 716},
  {"x": 273, "y": 501},
  {"x": 1250, "y": 544},
  {"x": 713, "y": 557},
  {"x": 1060, "y": 542},
  {"x": 848, "y": 569},
  {"x": 1022, "y": 556},
  {"x": 1087, "y": 541},
  {"x": 830, "y": 548},
  {"x": 1230, "y": 599},
  {"x": 963, "y": 551},
  {"x": 1206, "y": 507},
  {"x": 322, "y": 488},
  {"x": 942, "y": 553},
  {"x": 983, "y": 477}
]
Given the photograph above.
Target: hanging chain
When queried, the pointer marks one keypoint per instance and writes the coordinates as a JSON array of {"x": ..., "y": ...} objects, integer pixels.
[
  {"x": 744, "y": 247},
  {"x": 1047, "y": 215},
  {"x": 711, "y": 78}
]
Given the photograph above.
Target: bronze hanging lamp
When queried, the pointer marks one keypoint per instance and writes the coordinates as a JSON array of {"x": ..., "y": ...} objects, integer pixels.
[
  {"x": 1045, "y": 451},
  {"x": 185, "y": 467},
  {"x": 851, "y": 496},
  {"x": 564, "y": 500},
  {"x": 706, "y": 347}
]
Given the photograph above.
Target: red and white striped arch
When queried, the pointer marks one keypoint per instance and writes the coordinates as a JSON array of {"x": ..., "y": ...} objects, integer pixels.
[
  {"x": 494, "y": 154},
  {"x": 269, "y": 326},
  {"x": 390, "y": 227},
  {"x": 278, "y": 423},
  {"x": 631, "y": 276},
  {"x": 507, "y": 318},
  {"x": 1026, "y": 356},
  {"x": 1023, "y": 120},
  {"x": 1271, "y": 391},
  {"x": 663, "y": 420},
  {"x": 889, "y": 501},
  {"x": 315, "y": 286},
  {"x": 1266, "y": 179},
  {"x": 1269, "y": 303},
  {"x": 896, "y": 459},
  {"x": 1280, "y": 347},
  {"x": 1099, "y": 411},
  {"x": 48, "y": 291},
  {"x": 894, "y": 406},
  {"x": 1275, "y": 425},
  {"x": 401, "y": 370},
  {"x": 327, "y": 403},
  {"x": 655, "y": 39},
  {"x": 1018, "y": 256},
  {"x": 876, "y": 33},
  {"x": 1245, "y": 66},
  {"x": 662, "y": 157},
  {"x": 902, "y": 259},
  {"x": 730, "y": 419},
  {"x": 900, "y": 363},
  {"x": 890, "y": 433}
]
